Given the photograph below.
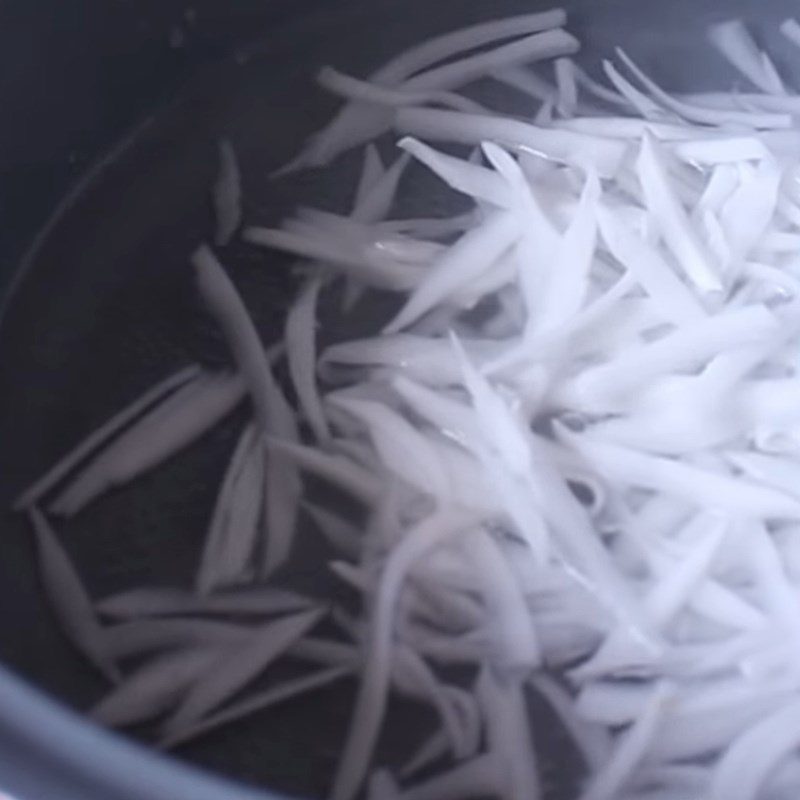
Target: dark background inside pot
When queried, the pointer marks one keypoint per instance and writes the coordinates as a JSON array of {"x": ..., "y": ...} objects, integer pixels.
[{"x": 99, "y": 307}]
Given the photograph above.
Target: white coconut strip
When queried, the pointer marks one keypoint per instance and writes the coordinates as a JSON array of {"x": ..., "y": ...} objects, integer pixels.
[
  {"x": 712, "y": 232},
  {"x": 618, "y": 703},
  {"x": 705, "y": 660},
  {"x": 779, "y": 242},
  {"x": 425, "y": 537},
  {"x": 446, "y": 608},
  {"x": 180, "y": 420},
  {"x": 301, "y": 351},
  {"x": 325, "y": 652},
  {"x": 409, "y": 251},
  {"x": 709, "y": 152},
  {"x": 581, "y": 150},
  {"x": 464, "y": 650},
  {"x": 630, "y": 750},
  {"x": 536, "y": 47},
  {"x": 693, "y": 736},
  {"x": 272, "y": 410},
  {"x": 788, "y": 210},
  {"x": 256, "y": 703},
  {"x": 599, "y": 318},
  {"x": 674, "y": 781},
  {"x": 790, "y": 28},
  {"x": 568, "y": 287},
  {"x": 368, "y": 267},
  {"x": 685, "y": 348},
  {"x": 662, "y": 429},
  {"x": 660, "y": 420},
  {"x": 544, "y": 116},
  {"x": 612, "y": 703},
  {"x": 513, "y": 641},
  {"x": 356, "y": 577},
  {"x": 449, "y": 568},
  {"x": 785, "y": 778},
  {"x": 338, "y": 470},
  {"x": 644, "y": 106},
  {"x": 728, "y": 369},
  {"x": 503, "y": 431},
  {"x": 365, "y": 92},
  {"x": 281, "y": 508},
  {"x": 220, "y": 519},
  {"x": 470, "y": 179},
  {"x": 400, "y": 447},
  {"x": 116, "y": 423},
  {"x": 481, "y": 777},
  {"x": 454, "y": 419},
  {"x": 145, "y": 636},
  {"x": 776, "y": 471},
  {"x": 526, "y": 81},
  {"x": 696, "y": 262},
  {"x": 649, "y": 269},
  {"x": 538, "y": 236},
  {"x": 721, "y": 185},
  {"x": 746, "y": 215},
  {"x": 706, "y": 489},
  {"x": 664, "y": 600},
  {"x": 372, "y": 170},
  {"x": 590, "y": 563},
  {"x": 168, "y": 601},
  {"x": 711, "y": 598},
  {"x": 771, "y": 74},
  {"x": 238, "y": 542},
  {"x": 657, "y": 518},
  {"x": 499, "y": 277},
  {"x": 564, "y": 644},
  {"x": 382, "y": 786},
  {"x": 773, "y": 403},
  {"x": 567, "y": 87},
  {"x": 595, "y": 89},
  {"x": 593, "y": 742},
  {"x": 468, "y": 480},
  {"x": 427, "y": 227},
  {"x": 234, "y": 669},
  {"x": 377, "y": 203},
  {"x": 779, "y": 595},
  {"x": 227, "y": 194},
  {"x": 773, "y": 661},
  {"x": 732, "y": 39},
  {"x": 68, "y": 598},
  {"x": 744, "y": 101},
  {"x": 709, "y": 116},
  {"x": 634, "y": 128},
  {"x": 747, "y": 764},
  {"x": 354, "y": 124},
  {"x": 153, "y": 689},
  {"x": 443, "y": 47},
  {"x": 474, "y": 253},
  {"x": 509, "y": 734},
  {"x": 275, "y": 416},
  {"x": 363, "y": 244}
]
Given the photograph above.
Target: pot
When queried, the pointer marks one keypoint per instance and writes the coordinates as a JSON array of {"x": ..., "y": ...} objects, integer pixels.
[{"x": 112, "y": 114}]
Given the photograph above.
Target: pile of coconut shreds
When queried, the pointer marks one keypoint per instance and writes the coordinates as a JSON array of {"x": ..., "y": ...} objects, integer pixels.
[{"x": 575, "y": 440}]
